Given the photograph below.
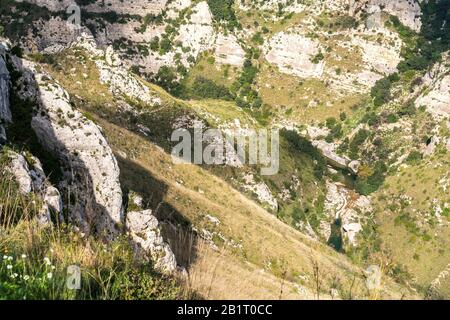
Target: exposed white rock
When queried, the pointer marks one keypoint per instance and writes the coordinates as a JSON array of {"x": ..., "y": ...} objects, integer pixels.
[
  {"x": 408, "y": 11},
  {"x": 144, "y": 231},
  {"x": 328, "y": 151},
  {"x": 91, "y": 170},
  {"x": 228, "y": 50},
  {"x": 351, "y": 208},
  {"x": 431, "y": 147},
  {"x": 112, "y": 72},
  {"x": 176, "y": 6},
  {"x": 134, "y": 7},
  {"x": 53, "y": 35},
  {"x": 19, "y": 168},
  {"x": 293, "y": 54},
  {"x": 436, "y": 95},
  {"x": 382, "y": 58},
  {"x": 198, "y": 34},
  {"x": 31, "y": 178},
  {"x": 354, "y": 166},
  {"x": 261, "y": 190},
  {"x": 314, "y": 133}
]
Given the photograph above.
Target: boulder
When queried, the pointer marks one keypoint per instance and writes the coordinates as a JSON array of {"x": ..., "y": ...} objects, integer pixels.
[
  {"x": 31, "y": 178},
  {"x": 144, "y": 230}
]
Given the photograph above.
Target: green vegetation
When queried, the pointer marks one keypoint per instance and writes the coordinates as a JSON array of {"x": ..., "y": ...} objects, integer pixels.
[
  {"x": 371, "y": 179},
  {"x": 246, "y": 95},
  {"x": 381, "y": 92},
  {"x": 207, "y": 89},
  {"x": 317, "y": 58},
  {"x": 167, "y": 77},
  {"x": 34, "y": 260},
  {"x": 420, "y": 50},
  {"x": 223, "y": 12},
  {"x": 304, "y": 146}
]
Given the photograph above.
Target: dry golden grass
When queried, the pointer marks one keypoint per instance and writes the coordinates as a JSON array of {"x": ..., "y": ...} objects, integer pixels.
[{"x": 267, "y": 243}]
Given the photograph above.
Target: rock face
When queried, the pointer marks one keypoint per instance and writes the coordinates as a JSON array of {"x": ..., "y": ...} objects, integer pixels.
[
  {"x": 293, "y": 54},
  {"x": 144, "y": 231},
  {"x": 436, "y": 96},
  {"x": 138, "y": 7},
  {"x": 90, "y": 168},
  {"x": 5, "y": 112},
  {"x": 351, "y": 208},
  {"x": 260, "y": 190},
  {"x": 199, "y": 33},
  {"x": 407, "y": 11},
  {"x": 31, "y": 178},
  {"x": 114, "y": 74},
  {"x": 328, "y": 151},
  {"x": 228, "y": 51}
]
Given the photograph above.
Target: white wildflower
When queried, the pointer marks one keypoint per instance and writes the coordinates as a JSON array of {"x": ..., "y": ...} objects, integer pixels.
[
  {"x": 49, "y": 275},
  {"x": 10, "y": 258},
  {"x": 26, "y": 277},
  {"x": 9, "y": 267},
  {"x": 24, "y": 256},
  {"x": 47, "y": 261}
]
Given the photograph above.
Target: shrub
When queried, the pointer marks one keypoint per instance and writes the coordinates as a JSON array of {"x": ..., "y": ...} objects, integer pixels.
[
  {"x": 366, "y": 184},
  {"x": 317, "y": 58},
  {"x": 381, "y": 92},
  {"x": 168, "y": 79},
  {"x": 205, "y": 88},
  {"x": 223, "y": 11}
]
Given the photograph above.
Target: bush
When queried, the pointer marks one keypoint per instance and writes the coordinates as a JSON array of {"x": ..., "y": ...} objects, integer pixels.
[
  {"x": 381, "y": 92},
  {"x": 168, "y": 79},
  {"x": 205, "y": 88},
  {"x": 305, "y": 146},
  {"x": 317, "y": 58},
  {"x": 357, "y": 141},
  {"x": 222, "y": 11},
  {"x": 154, "y": 44},
  {"x": 367, "y": 184}
]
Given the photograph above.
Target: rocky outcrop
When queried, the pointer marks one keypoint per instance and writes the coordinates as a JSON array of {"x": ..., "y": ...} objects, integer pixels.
[
  {"x": 351, "y": 208},
  {"x": 90, "y": 169},
  {"x": 407, "y": 11},
  {"x": 198, "y": 34},
  {"x": 436, "y": 90},
  {"x": 135, "y": 7},
  {"x": 228, "y": 51},
  {"x": 294, "y": 54},
  {"x": 5, "y": 112},
  {"x": 260, "y": 190},
  {"x": 114, "y": 74},
  {"x": 30, "y": 177},
  {"x": 143, "y": 228},
  {"x": 328, "y": 151}
]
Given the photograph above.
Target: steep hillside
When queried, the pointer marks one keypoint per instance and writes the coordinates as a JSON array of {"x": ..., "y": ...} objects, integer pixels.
[{"x": 358, "y": 89}]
